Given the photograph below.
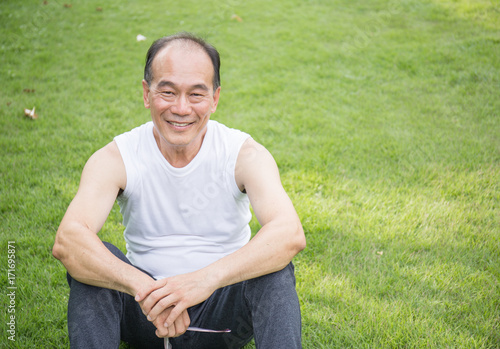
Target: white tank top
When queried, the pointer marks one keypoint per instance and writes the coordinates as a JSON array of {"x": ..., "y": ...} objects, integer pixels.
[{"x": 178, "y": 220}]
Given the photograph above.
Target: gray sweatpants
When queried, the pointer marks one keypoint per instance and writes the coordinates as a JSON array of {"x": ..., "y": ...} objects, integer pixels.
[{"x": 264, "y": 308}]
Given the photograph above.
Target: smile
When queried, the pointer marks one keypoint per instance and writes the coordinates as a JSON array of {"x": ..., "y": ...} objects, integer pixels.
[{"x": 179, "y": 124}]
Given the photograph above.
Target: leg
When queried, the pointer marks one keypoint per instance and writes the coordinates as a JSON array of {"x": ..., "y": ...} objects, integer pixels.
[
  {"x": 266, "y": 307},
  {"x": 225, "y": 308},
  {"x": 275, "y": 310},
  {"x": 101, "y": 318}
]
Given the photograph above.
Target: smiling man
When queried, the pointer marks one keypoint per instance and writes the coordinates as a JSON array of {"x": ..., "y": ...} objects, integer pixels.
[
  {"x": 181, "y": 94},
  {"x": 184, "y": 184}
]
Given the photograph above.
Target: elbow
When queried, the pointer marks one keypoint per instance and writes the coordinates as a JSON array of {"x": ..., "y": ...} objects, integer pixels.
[
  {"x": 299, "y": 242},
  {"x": 301, "y": 245},
  {"x": 56, "y": 252},
  {"x": 58, "y": 248}
]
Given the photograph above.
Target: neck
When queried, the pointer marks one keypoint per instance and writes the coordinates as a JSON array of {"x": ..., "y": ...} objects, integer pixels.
[{"x": 179, "y": 155}]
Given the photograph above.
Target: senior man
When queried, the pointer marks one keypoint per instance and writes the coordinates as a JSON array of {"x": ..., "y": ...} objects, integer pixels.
[{"x": 184, "y": 184}]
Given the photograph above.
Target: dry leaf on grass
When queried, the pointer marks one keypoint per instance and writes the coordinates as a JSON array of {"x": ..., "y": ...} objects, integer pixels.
[
  {"x": 238, "y": 18},
  {"x": 67, "y": 5},
  {"x": 31, "y": 113}
]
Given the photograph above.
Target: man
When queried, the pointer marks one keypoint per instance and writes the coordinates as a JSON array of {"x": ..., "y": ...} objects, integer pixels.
[{"x": 184, "y": 184}]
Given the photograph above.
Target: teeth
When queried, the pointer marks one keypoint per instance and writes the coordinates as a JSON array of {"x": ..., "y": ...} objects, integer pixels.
[{"x": 178, "y": 124}]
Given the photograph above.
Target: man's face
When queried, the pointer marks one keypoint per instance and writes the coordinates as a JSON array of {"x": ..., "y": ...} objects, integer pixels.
[{"x": 181, "y": 95}]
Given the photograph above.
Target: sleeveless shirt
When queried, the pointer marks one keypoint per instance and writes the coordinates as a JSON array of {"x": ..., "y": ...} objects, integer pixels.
[{"x": 178, "y": 220}]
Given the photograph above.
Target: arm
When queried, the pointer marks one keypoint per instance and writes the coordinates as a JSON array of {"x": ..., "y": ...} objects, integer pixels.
[
  {"x": 273, "y": 247},
  {"x": 77, "y": 245},
  {"x": 79, "y": 248},
  {"x": 281, "y": 236}
]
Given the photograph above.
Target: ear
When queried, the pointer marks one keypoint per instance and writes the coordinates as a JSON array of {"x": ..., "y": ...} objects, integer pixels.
[
  {"x": 216, "y": 99},
  {"x": 145, "y": 93}
]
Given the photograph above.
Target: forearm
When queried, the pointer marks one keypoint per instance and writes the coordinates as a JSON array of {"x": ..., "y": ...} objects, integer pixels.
[
  {"x": 272, "y": 248},
  {"x": 89, "y": 261}
]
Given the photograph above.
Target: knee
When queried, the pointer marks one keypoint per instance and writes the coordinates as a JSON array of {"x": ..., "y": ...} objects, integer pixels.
[
  {"x": 285, "y": 276},
  {"x": 277, "y": 282}
]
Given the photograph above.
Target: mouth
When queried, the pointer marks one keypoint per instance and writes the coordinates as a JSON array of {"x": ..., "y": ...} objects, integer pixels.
[{"x": 180, "y": 124}]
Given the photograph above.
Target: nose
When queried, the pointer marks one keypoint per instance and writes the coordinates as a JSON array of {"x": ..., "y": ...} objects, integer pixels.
[{"x": 181, "y": 106}]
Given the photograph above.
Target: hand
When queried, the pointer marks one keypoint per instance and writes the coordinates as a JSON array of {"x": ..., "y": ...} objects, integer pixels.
[
  {"x": 178, "y": 327},
  {"x": 176, "y": 294}
]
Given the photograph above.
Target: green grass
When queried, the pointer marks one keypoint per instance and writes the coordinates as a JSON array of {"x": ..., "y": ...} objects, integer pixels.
[{"x": 382, "y": 115}]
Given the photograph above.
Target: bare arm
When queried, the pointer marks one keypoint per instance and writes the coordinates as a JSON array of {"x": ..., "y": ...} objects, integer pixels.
[
  {"x": 273, "y": 247},
  {"x": 77, "y": 245},
  {"x": 281, "y": 236}
]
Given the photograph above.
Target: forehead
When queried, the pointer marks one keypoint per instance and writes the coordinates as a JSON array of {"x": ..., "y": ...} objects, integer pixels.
[{"x": 182, "y": 61}]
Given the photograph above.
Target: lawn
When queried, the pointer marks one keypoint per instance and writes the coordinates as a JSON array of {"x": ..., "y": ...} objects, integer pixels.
[{"x": 383, "y": 116}]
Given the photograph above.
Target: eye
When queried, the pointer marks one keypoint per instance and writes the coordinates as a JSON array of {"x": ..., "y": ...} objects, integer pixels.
[
  {"x": 195, "y": 97},
  {"x": 167, "y": 94}
]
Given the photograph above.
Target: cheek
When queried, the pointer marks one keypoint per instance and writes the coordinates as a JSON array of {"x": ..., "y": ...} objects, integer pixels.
[
  {"x": 159, "y": 104},
  {"x": 204, "y": 108}
]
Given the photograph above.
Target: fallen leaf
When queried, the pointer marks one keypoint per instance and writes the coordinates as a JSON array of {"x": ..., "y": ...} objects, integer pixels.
[
  {"x": 45, "y": 2},
  {"x": 30, "y": 113},
  {"x": 99, "y": 9},
  {"x": 8, "y": 104},
  {"x": 67, "y": 5},
  {"x": 238, "y": 18},
  {"x": 29, "y": 90},
  {"x": 141, "y": 37}
]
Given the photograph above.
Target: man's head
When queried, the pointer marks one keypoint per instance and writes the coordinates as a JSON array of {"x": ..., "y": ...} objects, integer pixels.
[
  {"x": 188, "y": 39},
  {"x": 179, "y": 89}
]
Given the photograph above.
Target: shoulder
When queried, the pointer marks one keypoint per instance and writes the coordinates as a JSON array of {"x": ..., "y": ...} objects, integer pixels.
[
  {"x": 106, "y": 166},
  {"x": 251, "y": 152},
  {"x": 107, "y": 154},
  {"x": 255, "y": 163}
]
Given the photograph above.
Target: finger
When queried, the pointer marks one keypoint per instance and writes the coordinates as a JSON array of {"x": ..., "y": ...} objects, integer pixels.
[
  {"x": 149, "y": 302},
  {"x": 152, "y": 301},
  {"x": 160, "y": 307},
  {"x": 172, "y": 331},
  {"x": 175, "y": 313},
  {"x": 163, "y": 332},
  {"x": 142, "y": 294},
  {"x": 186, "y": 319},
  {"x": 180, "y": 326}
]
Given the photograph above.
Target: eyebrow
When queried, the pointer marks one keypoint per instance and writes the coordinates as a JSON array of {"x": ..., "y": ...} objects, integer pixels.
[{"x": 164, "y": 83}]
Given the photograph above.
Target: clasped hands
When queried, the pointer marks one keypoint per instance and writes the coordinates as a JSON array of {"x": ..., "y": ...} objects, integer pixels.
[{"x": 165, "y": 302}]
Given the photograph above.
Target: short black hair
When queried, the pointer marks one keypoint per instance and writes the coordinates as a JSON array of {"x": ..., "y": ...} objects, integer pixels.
[{"x": 163, "y": 42}]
